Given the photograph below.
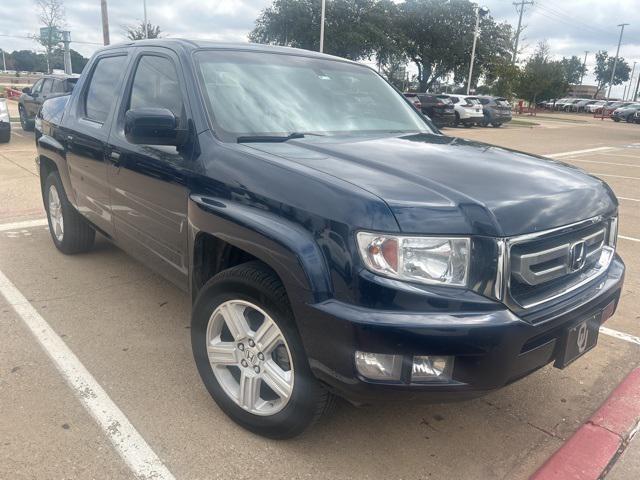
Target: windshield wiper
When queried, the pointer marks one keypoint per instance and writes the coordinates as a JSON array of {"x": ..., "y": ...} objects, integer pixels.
[{"x": 274, "y": 138}]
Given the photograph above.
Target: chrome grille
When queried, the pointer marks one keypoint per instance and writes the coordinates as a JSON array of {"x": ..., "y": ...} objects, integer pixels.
[{"x": 544, "y": 266}]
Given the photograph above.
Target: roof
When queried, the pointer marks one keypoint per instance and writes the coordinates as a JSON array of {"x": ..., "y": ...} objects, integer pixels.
[{"x": 189, "y": 44}]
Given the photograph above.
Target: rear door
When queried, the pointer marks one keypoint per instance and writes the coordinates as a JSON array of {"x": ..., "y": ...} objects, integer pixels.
[
  {"x": 86, "y": 131},
  {"x": 149, "y": 183}
]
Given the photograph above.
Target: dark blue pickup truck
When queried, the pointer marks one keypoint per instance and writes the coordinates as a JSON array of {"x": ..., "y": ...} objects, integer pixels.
[{"x": 333, "y": 241}]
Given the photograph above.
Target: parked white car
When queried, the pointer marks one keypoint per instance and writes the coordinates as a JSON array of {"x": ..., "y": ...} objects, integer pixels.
[
  {"x": 5, "y": 124},
  {"x": 468, "y": 110},
  {"x": 594, "y": 106}
]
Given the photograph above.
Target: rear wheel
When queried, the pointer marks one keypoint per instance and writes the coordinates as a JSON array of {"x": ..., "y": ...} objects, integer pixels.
[
  {"x": 496, "y": 124},
  {"x": 70, "y": 232},
  {"x": 26, "y": 124},
  {"x": 250, "y": 356},
  {"x": 5, "y": 135}
]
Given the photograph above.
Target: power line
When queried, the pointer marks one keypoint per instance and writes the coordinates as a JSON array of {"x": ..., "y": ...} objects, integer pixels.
[{"x": 569, "y": 19}]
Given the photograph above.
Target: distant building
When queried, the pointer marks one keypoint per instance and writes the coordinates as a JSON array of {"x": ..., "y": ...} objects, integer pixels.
[{"x": 584, "y": 91}]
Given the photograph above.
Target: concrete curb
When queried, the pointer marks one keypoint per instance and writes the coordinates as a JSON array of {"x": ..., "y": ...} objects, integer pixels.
[{"x": 592, "y": 450}]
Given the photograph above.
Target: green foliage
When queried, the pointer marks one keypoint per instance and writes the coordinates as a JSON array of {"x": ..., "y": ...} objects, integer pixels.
[
  {"x": 354, "y": 29},
  {"x": 604, "y": 67},
  {"x": 136, "y": 32},
  {"x": 541, "y": 77},
  {"x": 29, "y": 61},
  {"x": 574, "y": 69}
]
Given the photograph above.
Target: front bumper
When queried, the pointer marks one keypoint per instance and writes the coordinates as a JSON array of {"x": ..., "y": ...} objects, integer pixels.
[{"x": 492, "y": 347}]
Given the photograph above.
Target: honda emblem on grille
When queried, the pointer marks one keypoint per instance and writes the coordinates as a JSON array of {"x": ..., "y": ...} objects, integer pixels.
[{"x": 578, "y": 256}]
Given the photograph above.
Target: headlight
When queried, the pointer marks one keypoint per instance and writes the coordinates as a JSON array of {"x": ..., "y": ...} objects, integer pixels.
[
  {"x": 431, "y": 260},
  {"x": 613, "y": 232}
]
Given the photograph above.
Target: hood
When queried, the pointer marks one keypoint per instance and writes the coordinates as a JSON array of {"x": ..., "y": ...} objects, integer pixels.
[{"x": 444, "y": 185}]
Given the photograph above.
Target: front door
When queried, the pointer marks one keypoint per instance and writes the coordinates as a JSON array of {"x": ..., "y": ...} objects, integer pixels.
[
  {"x": 85, "y": 132},
  {"x": 149, "y": 191}
]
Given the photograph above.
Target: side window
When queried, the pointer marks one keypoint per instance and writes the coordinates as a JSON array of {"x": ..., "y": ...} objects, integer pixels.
[
  {"x": 156, "y": 85},
  {"x": 454, "y": 99},
  {"x": 101, "y": 93},
  {"x": 58, "y": 86},
  {"x": 46, "y": 86},
  {"x": 37, "y": 86}
]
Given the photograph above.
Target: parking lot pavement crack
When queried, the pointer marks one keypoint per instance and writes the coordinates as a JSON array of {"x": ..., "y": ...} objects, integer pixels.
[
  {"x": 523, "y": 421},
  {"x": 18, "y": 165}
]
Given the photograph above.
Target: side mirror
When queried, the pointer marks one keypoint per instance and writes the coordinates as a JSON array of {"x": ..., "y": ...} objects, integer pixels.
[
  {"x": 152, "y": 126},
  {"x": 26, "y": 90}
]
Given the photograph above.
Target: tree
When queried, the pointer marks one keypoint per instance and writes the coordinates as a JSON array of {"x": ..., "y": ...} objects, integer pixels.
[
  {"x": 574, "y": 69},
  {"x": 541, "y": 77},
  {"x": 500, "y": 79},
  {"x": 51, "y": 15},
  {"x": 136, "y": 32},
  {"x": 604, "y": 67},
  {"x": 439, "y": 37},
  {"x": 354, "y": 29}
]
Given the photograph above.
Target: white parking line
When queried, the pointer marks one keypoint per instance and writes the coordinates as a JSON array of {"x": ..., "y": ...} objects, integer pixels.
[
  {"x": 40, "y": 222},
  {"x": 629, "y": 238},
  {"x": 613, "y": 176},
  {"x": 621, "y": 335},
  {"x": 133, "y": 449},
  {"x": 579, "y": 152},
  {"x": 604, "y": 163},
  {"x": 629, "y": 199}
]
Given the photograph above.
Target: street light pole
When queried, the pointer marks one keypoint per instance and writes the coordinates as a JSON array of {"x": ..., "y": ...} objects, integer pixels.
[
  {"x": 615, "y": 62},
  {"x": 631, "y": 80},
  {"x": 584, "y": 65},
  {"x": 105, "y": 22},
  {"x": 146, "y": 30},
  {"x": 4, "y": 62},
  {"x": 322, "y": 27},
  {"x": 479, "y": 11}
]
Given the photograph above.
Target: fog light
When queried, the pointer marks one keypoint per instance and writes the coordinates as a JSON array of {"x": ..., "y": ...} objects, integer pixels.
[
  {"x": 379, "y": 366},
  {"x": 431, "y": 368}
]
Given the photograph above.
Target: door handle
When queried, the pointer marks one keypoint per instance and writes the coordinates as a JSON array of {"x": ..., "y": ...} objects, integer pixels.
[
  {"x": 69, "y": 138},
  {"x": 115, "y": 156}
]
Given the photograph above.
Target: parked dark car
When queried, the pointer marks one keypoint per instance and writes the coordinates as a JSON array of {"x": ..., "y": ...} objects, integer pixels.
[
  {"x": 439, "y": 108},
  {"x": 413, "y": 98},
  {"x": 496, "y": 110},
  {"x": 33, "y": 97},
  {"x": 636, "y": 116},
  {"x": 5, "y": 123},
  {"x": 625, "y": 113},
  {"x": 330, "y": 246}
]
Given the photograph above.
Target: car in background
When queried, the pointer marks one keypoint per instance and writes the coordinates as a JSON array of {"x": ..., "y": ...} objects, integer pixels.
[
  {"x": 496, "y": 111},
  {"x": 32, "y": 98},
  {"x": 625, "y": 113},
  {"x": 636, "y": 116},
  {"x": 5, "y": 124},
  {"x": 595, "y": 106},
  {"x": 413, "y": 98},
  {"x": 609, "y": 109},
  {"x": 439, "y": 108},
  {"x": 467, "y": 110},
  {"x": 561, "y": 103},
  {"x": 580, "y": 106},
  {"x": 570, "y": 105}
]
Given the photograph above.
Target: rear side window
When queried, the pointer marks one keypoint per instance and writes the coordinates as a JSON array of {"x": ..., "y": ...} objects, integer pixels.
[
  {"x": 46, "y": 87},
  {"x": 101, "y": 94},
  {"x": 58, "y": 86},
  {"x": 484, "y": 101},
  {"x": 155, "y": 85}
]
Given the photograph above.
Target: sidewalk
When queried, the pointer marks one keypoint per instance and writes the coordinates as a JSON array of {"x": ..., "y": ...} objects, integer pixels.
[{"x": 627, "y": 466}]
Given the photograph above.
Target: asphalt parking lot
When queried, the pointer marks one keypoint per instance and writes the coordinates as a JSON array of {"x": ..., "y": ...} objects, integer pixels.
[{"x": 130, "y": 330}]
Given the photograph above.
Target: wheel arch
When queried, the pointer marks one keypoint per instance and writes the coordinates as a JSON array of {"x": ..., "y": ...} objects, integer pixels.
[{"x": 225, "y": 233}]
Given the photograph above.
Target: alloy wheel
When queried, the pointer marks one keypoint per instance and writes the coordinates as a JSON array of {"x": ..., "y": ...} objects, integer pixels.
[
  {"x": 250, "y": 357},
  {"x": 55, "y": 213}
]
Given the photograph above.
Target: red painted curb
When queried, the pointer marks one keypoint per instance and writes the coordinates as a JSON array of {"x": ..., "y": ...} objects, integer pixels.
[{"x": 589, "y": 451}]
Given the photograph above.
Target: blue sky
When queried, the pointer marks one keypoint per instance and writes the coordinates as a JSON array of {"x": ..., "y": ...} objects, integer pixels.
[{"x": 569, "y": 26}]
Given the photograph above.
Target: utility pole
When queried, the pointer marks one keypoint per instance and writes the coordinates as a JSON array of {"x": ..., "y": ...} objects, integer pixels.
[
  {"x": 105, "y": 22},
  {"x": 520, "y": 4},
  {"x": 635, "y": 92},
  {"x": 322, "y": 27},
  {"x": 615, "y": 62},
  {"x": 584, "y": 65},
  {"x": 479, "y": 12},
  {"x": 4, "y": 62},
  {"x": 631, "y": 80},
  {"x": 66, "y": 39},
  {"x": 146, "y": 30}
]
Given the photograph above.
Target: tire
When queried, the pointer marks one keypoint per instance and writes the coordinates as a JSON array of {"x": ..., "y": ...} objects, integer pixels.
[
  {"x": 496, "y": 124},
  {"x": 456, "y": 121},
  {"x": 70, "y": 232},
  {"x": 246, "y": 289},
  {"x": 467, "y": 124},
  {"x": 5, "y": 136},
  {"x": 615, "y": 119},
  {"x": 26, "y": 124}
]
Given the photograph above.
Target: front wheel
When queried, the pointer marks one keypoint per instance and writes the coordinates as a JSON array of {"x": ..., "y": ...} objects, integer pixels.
[
  {"x": 250, "y": 356},
  {"x": 70, "y": 232},
  {"x": 496, "y": 124}
]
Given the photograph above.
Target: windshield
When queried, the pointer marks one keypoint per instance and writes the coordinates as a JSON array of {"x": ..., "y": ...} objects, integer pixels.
[{"x": 257, "y": 93}]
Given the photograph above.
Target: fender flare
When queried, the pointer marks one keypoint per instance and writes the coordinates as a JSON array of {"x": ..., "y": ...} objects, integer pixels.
[{"x": 288, "y": 248}]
